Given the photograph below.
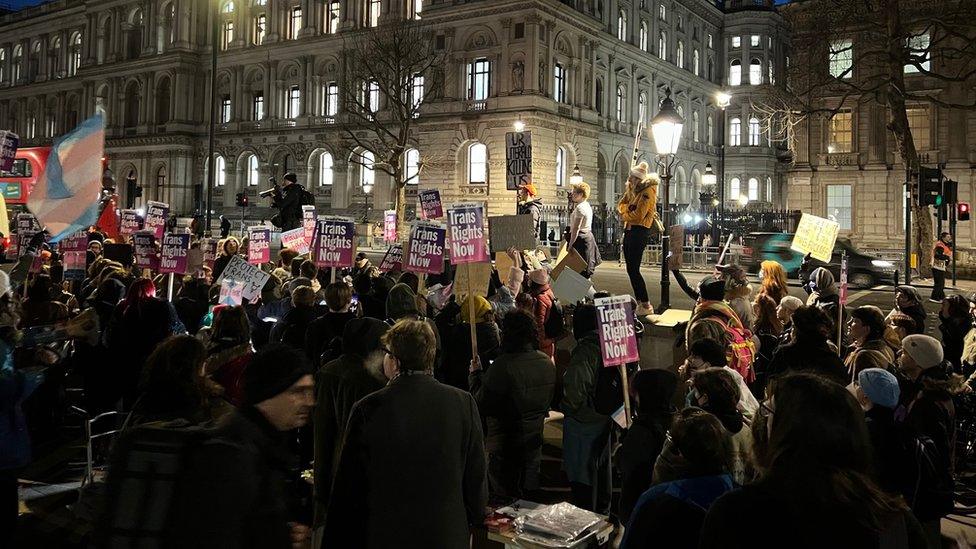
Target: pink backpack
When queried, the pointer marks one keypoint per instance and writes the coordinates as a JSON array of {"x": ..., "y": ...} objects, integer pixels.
[{"x": 740, "y": 350}]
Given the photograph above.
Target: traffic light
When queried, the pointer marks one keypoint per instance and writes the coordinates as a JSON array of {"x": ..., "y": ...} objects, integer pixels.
[
  {"x": 242, "y": 200},
  {"x": 930, "y": 187},
  {"x": 962, "y": 211}
]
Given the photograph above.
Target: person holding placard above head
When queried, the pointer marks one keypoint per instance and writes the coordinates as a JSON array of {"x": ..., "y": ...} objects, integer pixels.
[
  {"x": 638, "y": 210},
  {"x": 580, "y": 237}
]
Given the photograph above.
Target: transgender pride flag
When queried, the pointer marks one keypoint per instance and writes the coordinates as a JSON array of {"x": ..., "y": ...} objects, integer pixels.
[{"x": 65, "y": 199}]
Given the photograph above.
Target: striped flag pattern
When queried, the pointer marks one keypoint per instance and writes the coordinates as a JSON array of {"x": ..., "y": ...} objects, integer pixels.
[{"x": 65, "y": 199}]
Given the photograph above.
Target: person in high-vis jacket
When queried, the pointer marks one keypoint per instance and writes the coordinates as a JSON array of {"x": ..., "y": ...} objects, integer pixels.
[
  {"x": 638, "y": 210},
  {"x": 941, "y": 256}
]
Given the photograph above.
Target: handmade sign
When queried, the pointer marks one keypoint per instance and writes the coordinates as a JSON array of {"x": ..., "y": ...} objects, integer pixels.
[
  {"x": 389, "y": 226},
  {"x": 503, "y": 264},
  {"x": 618, "y": 338},
  {"x": 231, "y": 293},
  {"x": 295, "y": 240},
  {"x": 571, "y": 260},
  {"x": 144, "y": 243},
  {"x": 130, "y": 223},
  {"x": 816, "y": 236},
  {"x": 209, "y": 247},
  {"x": 156, "y": 215},
  {"x": 258, "y": 245},
  {"x": 466, "y": 223},
  {"x": 242, "y": 271},
  {"x": 173, "y": 255},
  {"x": 393, "y": 259},
  {"x": 473, "y": 278},
  {"x": 676, "y": 246},
  {"x": 571, "y": 287},
  {"x": 8, "y": 150},
  {"x": 335, "y": 242},
  {"x": 308, "y": 223},
  {"x": 430, "y": 204},
  {"x": 518, "y": 159},
  {"x": 511, "y": 231},
  {"x": 425, "y": 250}
]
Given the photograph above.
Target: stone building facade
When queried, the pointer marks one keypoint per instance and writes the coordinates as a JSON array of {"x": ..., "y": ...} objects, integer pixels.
[{"x": 578, "y": 73}]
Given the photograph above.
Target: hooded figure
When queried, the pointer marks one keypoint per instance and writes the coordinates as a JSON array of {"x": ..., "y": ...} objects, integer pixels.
[
  {"x": 908, "y": 301},
  {"x": 340, "y": 384},
  {"x": 823, "y": 294}
]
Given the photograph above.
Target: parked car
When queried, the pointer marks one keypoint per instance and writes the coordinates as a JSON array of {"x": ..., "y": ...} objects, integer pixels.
[{"x": 863, "y": 270}]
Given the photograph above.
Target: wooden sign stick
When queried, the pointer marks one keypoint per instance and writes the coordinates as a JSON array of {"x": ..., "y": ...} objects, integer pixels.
[
  {"x": 626, "y": 389},
  {"x": 471, "y": 319}
]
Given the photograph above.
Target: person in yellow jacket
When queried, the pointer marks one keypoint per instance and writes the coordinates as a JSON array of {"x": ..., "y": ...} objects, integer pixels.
[{"x": 638, "y": 210}]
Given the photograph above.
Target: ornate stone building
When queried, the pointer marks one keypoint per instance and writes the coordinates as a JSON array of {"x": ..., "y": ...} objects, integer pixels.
[{"x": 578, "y": 73}]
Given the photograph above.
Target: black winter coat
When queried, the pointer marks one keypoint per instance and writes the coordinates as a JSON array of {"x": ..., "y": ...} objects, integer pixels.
[
  {"x": 289, "y": 207},
  {"x": 322, "y": 331},
  {"x": 412, "y": 469},
  {"x": 291, "y": 328},
  {"x": 954, "y": 331},
  {"x": 513, "y": 396},
  {"x": 802, "y": 356},
  {"x": 641, "y": 445},
  {"x": 457, "y": 351}
]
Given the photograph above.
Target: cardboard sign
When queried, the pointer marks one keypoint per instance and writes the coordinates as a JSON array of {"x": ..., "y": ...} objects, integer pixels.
[
  {"x": 231, "y": 293},
  {"x": 252, "y": 277},
  {"x": 843, "y": 279},
  {"x": 131, "y": 223},
  {"x": 816, "y": 236},
  {"x": 474, "y": 276},
  {"x": 335, "y": 242},
  {"x": 466, "y": 224},
  {"x": 156, "y": 215},
  {"x": 430, "y": 204},
  {"x": 308, "y": 223},
  {"x": 618, "y": 339},
  {"x": 295, "y": 240},
  {"x": 389, "y": 226},
  {"x": 676, "y": 246},
  {"x": 75, "y": 265},
  {"x": 8, "y": 150},
  {"x": 511, "y": 231},
  {"x": 425, "y": 250},
  {"x": 173, "y": 255},
  {"x": 209, "y": 247},
  {"x": 144, "y": 243},
  {"x": 503, "y": 264},
  {"x": 194, "y": 262},
  {"x": 258, "y": 245},
  {"x": 571, "y": 260},
  {"x": 571, "y": 287},
  {"x": 518, "y": 159},
  {"x": 393, "y": 259}
]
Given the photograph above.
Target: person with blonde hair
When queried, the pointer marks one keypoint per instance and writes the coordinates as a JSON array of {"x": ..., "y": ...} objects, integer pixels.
[
  {"x": 638, "y": 211},
  {"x": 773, "y": 280},
  {"x": 580, "y": 237}
]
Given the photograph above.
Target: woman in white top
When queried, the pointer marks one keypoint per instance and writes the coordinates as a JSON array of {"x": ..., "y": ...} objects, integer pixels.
[{"x": 580, "y": 235}]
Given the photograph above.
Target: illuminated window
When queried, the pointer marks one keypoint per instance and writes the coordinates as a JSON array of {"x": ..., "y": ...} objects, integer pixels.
[
  {"x": 735, "y": 132},
  {"x": 735, "y": 72},
  {"x": 840, "y": 132},
  {"x": 839, "y": 205},
  {"x": 841, "y": 58},
  {"x": 477, "y": 164},
  {"x": 326, "y": 175},
  {"x": 411, "y": 162}
]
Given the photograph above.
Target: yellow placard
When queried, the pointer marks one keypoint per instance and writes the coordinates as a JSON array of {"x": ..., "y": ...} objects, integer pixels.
[
  {"x": 503, "y": 264},
  {"x": 914, "y": 261},
  {"x": 816, "y": 236}
]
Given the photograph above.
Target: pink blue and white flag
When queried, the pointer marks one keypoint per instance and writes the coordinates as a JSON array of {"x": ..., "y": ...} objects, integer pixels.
[{"x": 66, "y": 196}]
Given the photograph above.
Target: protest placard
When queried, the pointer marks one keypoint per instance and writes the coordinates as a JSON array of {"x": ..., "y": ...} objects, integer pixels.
[
  {"x": 571, "y": 260},
  {"x": 77, "y": 242},
  {"x": 335, "y": 242},
  {"x": 816, "y": 236},
  {"x": 466, "y": 226},
  {"x": 518, "y": 159},
  {"x": 27, "y": 227},
  {"x": 308, "y": 223},
  {"x": 430, "y": 204},
  {"x": 618, "y": 338},
  {"x": 156, "y": 215},
  {"x": 144, "y": 243},
  {"x": 130, "y": 223},
  {"x": 571, "y": 287},
  {"x": 173, "y": 254},
  {"x": 74, "y": 249},
  {"x": 389, "y": 226},
  {"x": 258, "y": 245},
  {"x": 295, "y": 240},
  {"x": 393, "y": 259},
  {"x": 8, "y": 150},
  {"x": 209, "y": 247},
  {"x": 471, "y": 277},
  {"x": 231, "y": 292},
  {"x": 242, "y": 271},
  {"x": 676, "y": 244},
  {"x": 425, "y": 250},
  {"x": 503, "y": 265},
  {"x": 511, "y": 231}
]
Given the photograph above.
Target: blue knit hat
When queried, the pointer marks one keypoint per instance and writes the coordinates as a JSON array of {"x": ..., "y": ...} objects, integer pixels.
[{"x": 881, "y": 386}]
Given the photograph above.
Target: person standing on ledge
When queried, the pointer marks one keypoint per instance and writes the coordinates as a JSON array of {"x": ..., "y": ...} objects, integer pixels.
[
  {"x": 580, "y": 233},
  {"x": 941, "y": 256},
  {"x": 638, "y": 211},
  {"x": 529, "y": 203}
]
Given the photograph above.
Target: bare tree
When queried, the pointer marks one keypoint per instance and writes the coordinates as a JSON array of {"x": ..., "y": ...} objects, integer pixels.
[
  {"x": 391, "y": 72},
  {"x": 883, "y": 39}
]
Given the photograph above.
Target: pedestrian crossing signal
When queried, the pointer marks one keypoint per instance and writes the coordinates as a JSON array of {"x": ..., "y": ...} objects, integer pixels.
[{"x": 963, "y": 212}]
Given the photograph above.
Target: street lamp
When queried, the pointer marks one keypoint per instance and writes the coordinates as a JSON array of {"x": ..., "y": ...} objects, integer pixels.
[
  {"x": 212, "y": 128},
  {"x": 577, "y": 177},
  {"x": 743, "y": 200},
  {"x": 519, "y": 126},
  {"x": 367, "y": 190},
  {"x": 723, "y": 100},
  {"x": 666, "y": 127}
]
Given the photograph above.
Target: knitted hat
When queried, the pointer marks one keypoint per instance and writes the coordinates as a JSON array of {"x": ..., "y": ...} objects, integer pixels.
[
  {"x": 272, "y": 370},
  {"x": 539, "y": 276},
  {"x": 639, "y": 171},
  {"x": 824, "y": 280},
  {"x": 361, "y": 336},
  {"x": 881, "y": 386},
  {"x": 712, "y": 289},
  {"x": 925, "y": 350},
  {"x": 482, "y": 309},
  {"x": 790, "y": 303},
  {"x": 401, "y": 302}
]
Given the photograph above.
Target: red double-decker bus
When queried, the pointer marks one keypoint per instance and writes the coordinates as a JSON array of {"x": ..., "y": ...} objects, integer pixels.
[{"x": 17, "y": 184}]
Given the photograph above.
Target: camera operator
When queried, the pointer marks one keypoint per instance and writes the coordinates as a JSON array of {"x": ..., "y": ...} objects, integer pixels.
[{"x": 288, "y": 200}]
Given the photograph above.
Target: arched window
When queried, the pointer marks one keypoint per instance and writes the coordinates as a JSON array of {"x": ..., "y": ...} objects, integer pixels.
[
  {"x": 755, "y": 72},
  {"x": 325, "y": 169},
  {"x": 709, "y": 130},
  {"x": 695, "y": 125},
  {"x": 734, "y": 189},
  {"x": 162, "y": 102},
  {"x": 710, "y": 70},
  {"x": 559, "y": 83},
  {"x": 477, "y": 164},
  {"x": 642, "y": 106},
  {"x": 33, "y": 62},
  {"x": 735, "y": 72},
  {"x": 220, "y": 171},
  {"x": 620, "y": 103},
  {"x": 754, "y": 132},
  {"x": 251, "y": 171},
  {"x": 696, "y": 63},
  {"x": 599, "y": 97},
  {"x": 622, "y": 25},
  {"x": 679, "y": 58},
  {"x": 161, "y": 177},
  {"x": 18, "y": 69},
  {"x": 772, "y": 73},
  {"x": 132, "y": 105},
  {"x": 662, "y": 45},
  {"x": 3, "y": 65},
  {"x": 228, "y": 7},
  {"x": 260, "y": 29},
  {"x": 373, "y": 17},
  {"x": 54, "y": 58},
  {"x": 643, "y": 36},
  {"x": 367, "y": 175},
  {"x": 133, "y": 36},
  {"x": 560, "y": 167},
  {"x": 735, "y": 132},
  {"x": 411, "y": 161},
  {"x": 753, "y": 188}
]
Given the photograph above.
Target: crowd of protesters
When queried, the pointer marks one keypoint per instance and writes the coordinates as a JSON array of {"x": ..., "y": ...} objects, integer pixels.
[{"x": 355, "y": 412}]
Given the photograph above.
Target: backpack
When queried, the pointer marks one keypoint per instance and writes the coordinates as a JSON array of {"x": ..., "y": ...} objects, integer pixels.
[
  {"x": 555, "y": 326},
  {"x": 306, "y": 198},
  {"x": 740, "y": 350},
  {"x": 608, "y": 393}
]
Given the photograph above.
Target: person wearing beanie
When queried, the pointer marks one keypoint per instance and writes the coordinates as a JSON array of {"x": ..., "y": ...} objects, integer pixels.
[
  {"x": 401, "y": 302},
  {"x": 458, "y": 341},
  {"x": 529, "y": 203},
  {"x": 638, "y": 211},
  {"x": 711, "y": 314},
  {"x": 237, "y": 485},
  {"x": 580, "y": 233},
  {"x": 784, "y": 312},
  {"x": 542, "y": 303},
  {"x": 340, "y": 383},
  {"x": 361, "y": 265},
  {"x": 868, "y": 349},
  {"x": 908, "y": 301},
  {"x": 412, "y": 467},
  {"x": 822, "y": 290}
]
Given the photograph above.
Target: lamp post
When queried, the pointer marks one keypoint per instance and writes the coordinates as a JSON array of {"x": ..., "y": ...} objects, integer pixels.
[
  {"x": 666, "y": 128},
  {"x": 211, "y": 161},
  {"x": 709, "y": 180},
  {"x": 723, "y": 100},
  {"x": 367, "y": 190}
]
